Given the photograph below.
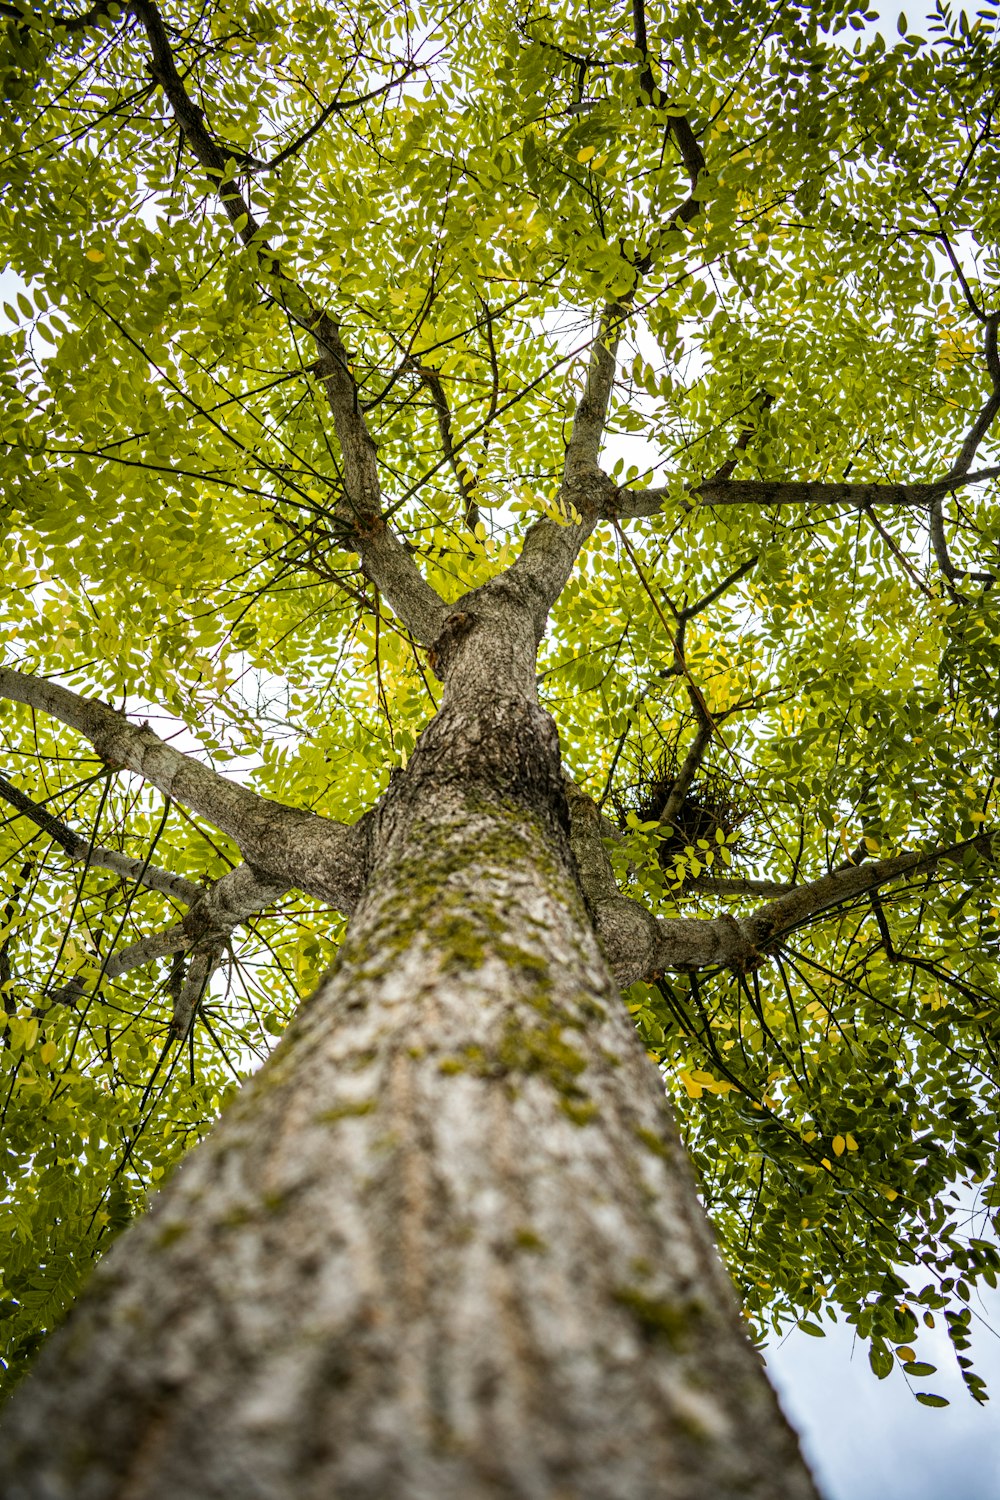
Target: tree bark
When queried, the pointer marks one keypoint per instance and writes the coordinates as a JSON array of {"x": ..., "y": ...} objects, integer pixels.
[{"x": 445, "y": 1245}]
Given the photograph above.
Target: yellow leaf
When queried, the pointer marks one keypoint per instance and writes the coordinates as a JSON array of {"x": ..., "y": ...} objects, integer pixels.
[
  {"x": 95, "y": 255},
  {"x": 852, "y": 1144},
  {"x": 810, "y": 1135},
  {"x": 691, "y": 1087},
  {"x": 828, "y": 1164},
  {"x": 906, "y": 1354},
  {"x": 890, "y": 1193},
  {"x": 839, "y": 1145},
  {"x": 48, "y": 1052},
  {"x": 586, "y": 153}
]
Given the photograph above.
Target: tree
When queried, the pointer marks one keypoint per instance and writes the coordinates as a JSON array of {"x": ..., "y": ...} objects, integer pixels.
[{"x": 337, "y": 323}]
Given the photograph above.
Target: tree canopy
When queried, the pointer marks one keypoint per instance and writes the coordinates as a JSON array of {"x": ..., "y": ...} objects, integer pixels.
[{"x": 242, "y": 230}]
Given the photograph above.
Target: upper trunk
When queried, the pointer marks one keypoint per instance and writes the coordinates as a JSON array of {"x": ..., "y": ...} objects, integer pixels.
[{"x": 445, "y": 1245}]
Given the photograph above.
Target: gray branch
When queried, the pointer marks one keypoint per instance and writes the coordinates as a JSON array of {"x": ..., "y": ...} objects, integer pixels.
[
  {"x": 639, "y": 945},
  {"x": 81, "y": 851},
  {"x": 154, "y": 945},
  {"x": 549, "y": 552},
  {"x": 239, "y": 894},
  {"x": 767, "y": 925},
  {"x": 636, "y": 944},
  {"x": 189, "y": 996},
  {"x": 770, "y": 493},
  {"x": 323, "y": 858}
]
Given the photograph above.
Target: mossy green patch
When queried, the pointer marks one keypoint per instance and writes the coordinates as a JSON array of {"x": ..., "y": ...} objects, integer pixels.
[
  {"x": 350, "y": 1109},
  {"x": 580, "y": 1111},
  {"x": 451, "y": 1065},
  {"x": 237, "y": 1216},
  {"x": 544, "y": 1050},
  {"x": 653, "y": 1142},
  {"x": 675, "y": 1323},
  {"x": 169, "y": 1234},
  {"x": 526, "y": 1239},
  {"x": 434, "y": 902}
]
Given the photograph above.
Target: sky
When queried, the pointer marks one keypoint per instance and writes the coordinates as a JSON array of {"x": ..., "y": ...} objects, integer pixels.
[{"x": 868, "y": 1439}]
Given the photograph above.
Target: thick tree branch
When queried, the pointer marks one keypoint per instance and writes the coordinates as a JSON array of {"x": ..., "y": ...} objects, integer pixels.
[
  {"x": 632, "y": 504},
  {"x": 213, "y": 911},
  {"x": 550, "y": 550},
  {"x": 591, "y": 415},
  {"x": 766, "y": 926},
  {"x": 154, "y": 945},
  {"x": 639, "y": 945},
  {"x": 636, "y": 944},
  {"x": 238, "y": 895},
  {"x": 79, "y": 849},
  {"x": 383, "y": 557},
  {"x": 314, "y": 854},
  {"x": 191, "y": 990}
]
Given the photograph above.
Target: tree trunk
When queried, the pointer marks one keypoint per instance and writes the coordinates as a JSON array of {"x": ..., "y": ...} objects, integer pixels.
[{"x": 445, "y": 1245}]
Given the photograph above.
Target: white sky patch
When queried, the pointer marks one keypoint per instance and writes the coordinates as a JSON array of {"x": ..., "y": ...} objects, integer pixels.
[{"x": 868, "y": 1439}]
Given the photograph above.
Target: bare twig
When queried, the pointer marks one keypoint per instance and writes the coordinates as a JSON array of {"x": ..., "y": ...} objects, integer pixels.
[{"x": 463, "y": 474}]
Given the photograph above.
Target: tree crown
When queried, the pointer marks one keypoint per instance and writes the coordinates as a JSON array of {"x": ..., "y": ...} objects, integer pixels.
[{"x": 341, "y": 327}]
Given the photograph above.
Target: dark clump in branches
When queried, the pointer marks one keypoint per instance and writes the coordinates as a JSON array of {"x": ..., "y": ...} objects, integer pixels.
[{"x": 687, "y": 815}]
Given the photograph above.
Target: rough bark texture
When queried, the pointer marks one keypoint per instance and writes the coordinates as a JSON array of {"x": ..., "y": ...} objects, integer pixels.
[{"x": 445, "y": 1245}]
